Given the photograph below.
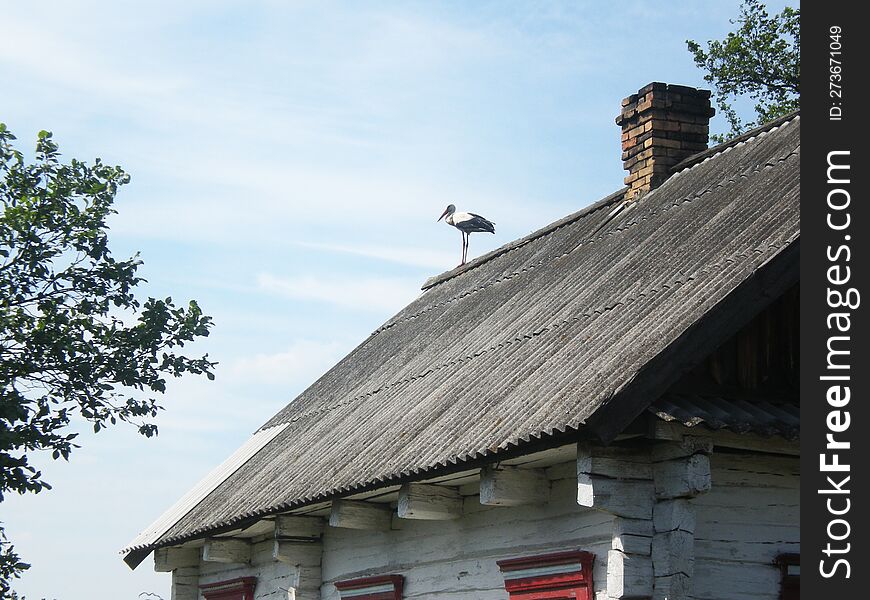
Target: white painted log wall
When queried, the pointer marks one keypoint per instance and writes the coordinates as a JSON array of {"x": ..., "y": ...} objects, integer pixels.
[
  {"x": 272, "y": 576},
  {"x": 456, "y": 559},
  {"x": 750, "y": 515}
]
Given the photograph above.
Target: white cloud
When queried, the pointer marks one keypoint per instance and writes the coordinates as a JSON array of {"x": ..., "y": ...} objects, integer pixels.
[
  {"x": 300, "y": 364},
  {"x": 403, "y": 255},
  {"x": 376, "y": 294}
]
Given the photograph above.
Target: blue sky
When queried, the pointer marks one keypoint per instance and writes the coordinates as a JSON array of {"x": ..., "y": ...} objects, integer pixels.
[{"x": 288, "y": 162}]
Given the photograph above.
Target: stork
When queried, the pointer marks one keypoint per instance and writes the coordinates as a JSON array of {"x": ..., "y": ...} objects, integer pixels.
[{"x": 466, "y": 223}]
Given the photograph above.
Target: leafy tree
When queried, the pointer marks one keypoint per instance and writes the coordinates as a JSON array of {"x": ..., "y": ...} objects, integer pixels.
[
  {"x": 761, "y": 59},
  {"x": 76, "y": 345}
]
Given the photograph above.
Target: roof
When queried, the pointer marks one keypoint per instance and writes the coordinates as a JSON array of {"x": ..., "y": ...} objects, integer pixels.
[{"x": 573, "y": 329}]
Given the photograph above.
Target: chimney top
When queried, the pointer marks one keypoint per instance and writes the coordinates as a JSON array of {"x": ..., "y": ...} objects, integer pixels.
[{"x": 662, "y": 125}]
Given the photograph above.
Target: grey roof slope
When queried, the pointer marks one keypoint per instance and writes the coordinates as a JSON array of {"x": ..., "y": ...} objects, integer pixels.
[{"x": 577, "y": 326}]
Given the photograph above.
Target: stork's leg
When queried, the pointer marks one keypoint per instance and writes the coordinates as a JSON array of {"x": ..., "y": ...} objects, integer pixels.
[{"x": 464, "y": 247}]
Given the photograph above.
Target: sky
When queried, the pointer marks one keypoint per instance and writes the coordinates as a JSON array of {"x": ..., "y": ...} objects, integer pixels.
[{"x": 288, "y": 163}]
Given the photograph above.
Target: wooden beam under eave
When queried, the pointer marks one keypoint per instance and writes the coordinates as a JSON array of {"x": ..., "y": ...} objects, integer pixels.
[
  {"x": 429, "y": 502},
  {"x": 171, "y": 558},
  {"x": 356, "y": 514},
  {"x": 298, "y": 527},
  {"x": 513, "y": 486},
  {"x": 227, "y": 550}
]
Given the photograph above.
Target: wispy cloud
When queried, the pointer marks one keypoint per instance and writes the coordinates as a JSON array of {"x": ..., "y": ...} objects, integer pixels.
[
  {"x": 403, "y": 255},
  {"x": 300, "y": 364},
  {"x": 374, "y": 294}
]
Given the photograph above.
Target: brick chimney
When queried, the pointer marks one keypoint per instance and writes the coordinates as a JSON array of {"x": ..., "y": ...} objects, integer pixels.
[{"x": 661, "y": 125}]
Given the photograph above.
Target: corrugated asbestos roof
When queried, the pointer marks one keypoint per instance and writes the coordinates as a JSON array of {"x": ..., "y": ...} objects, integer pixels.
[{"x": 526, "y": 342}]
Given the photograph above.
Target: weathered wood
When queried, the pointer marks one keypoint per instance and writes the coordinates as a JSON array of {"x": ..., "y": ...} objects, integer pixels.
[
  {"x": 294, "y": 526},
  {"x": 632, "y": 499},
  {"x": 632, "y": 544},
  {"x": 355, "y": 514},
  {"x": 616, "y": 463},
  {"x": 632, "y": 536},
  {"x": 663, "y": 430},
  {"x": 673, "y": 515},
  {"x": 297, "y": 553},
  {"x": 672, "y": 553},
  {"x": 429, "y": 502},
  {"x": 682, "y": 477},
  {"x": 673, "y": 587},
  {"x": 169, "y": 559},
  {"x": 689, "y": 445},
  {"x": 226, "y": 550},
  {"x": 629, "y": 575},
  {"x": 512, "y": 486},
  {"x": 185, "y": 583}
]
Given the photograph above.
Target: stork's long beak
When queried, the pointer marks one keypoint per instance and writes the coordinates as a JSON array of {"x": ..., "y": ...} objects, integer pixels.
[{"x": 442, "y": 215}]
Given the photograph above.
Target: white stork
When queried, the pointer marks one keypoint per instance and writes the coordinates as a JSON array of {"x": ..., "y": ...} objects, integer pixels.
[{"x": 466, "y": 223}]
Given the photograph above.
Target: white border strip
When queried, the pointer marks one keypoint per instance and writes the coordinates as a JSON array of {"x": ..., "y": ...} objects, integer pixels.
[{"x": 205, "y": 487}]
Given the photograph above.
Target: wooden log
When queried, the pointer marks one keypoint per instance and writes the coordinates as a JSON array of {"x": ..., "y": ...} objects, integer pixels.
[
  {"x": 616, "y": 463},
  {"x": 673, "y": 587},
  {"x": 632, "y": 499},
  {"x": 632, "y": 536},
  {"x": 629, "y": 575},
  {"x": 297, "y": 553},
  {"x": 185, "y": 584},
  {"x": 169, "y": 559},
  {"x": 355, "y": 514},
  {"x": 512, "y": 486},
  {"x": 674, "y": 515},
  {"x": 429, "y": 502},
  {"x": 682, "y": 478},
  {"x": 227, "y": 550},
  {"x": 673, "y": 553},
  {"x": 298, "y": 527},
  {"x": 662, "y": 430},
  {"x": 687, "y": 446}
]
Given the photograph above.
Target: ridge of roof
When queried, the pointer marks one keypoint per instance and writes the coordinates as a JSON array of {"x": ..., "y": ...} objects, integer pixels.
[
  {"x": 547, "y": 229},
  {"x": 743, "y": 137},
  {"x": 607, "y": 201}
]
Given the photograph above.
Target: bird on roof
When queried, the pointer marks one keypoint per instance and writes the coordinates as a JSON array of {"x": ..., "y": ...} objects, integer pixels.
[{"x": 467, "y": 223}]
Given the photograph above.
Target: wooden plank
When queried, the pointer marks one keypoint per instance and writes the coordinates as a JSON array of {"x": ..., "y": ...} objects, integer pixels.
[
  {"x": 632, "y": 499},
  {"x": 355, "y": 514},
  {"x": 227, "y": 550},
  {"x": 185, "y": 583},
  {"x": 512, "y": 486},
  {"x": 429, "y": 502},
  {"x": 674, "y": 515},
  {"x": 294, "y": 526},
  {"x": 682, "y": 477},
  {"x": 169, "y": 559},
  {"x": 629, "y": 575}
]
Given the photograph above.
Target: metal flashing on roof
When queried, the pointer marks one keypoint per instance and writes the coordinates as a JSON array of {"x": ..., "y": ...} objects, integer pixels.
[{"x": 206, "y": 486}]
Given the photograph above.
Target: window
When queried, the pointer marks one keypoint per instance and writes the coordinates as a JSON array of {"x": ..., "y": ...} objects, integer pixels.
[
  {"x": 232, "y": 589},
  {"x": 790, "y": 576},
  {"x": 384, "y": 587},
  {"x": 562, "y": 576}
]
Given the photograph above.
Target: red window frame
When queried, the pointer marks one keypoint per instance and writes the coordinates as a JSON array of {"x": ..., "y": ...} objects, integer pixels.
[
  {"x": 241, "y": 588},
  {"x": 549, "y": 576},
  {"x": 376, "y": 585}
]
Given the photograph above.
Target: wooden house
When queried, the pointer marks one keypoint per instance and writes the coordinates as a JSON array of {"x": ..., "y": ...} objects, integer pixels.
[{"x": 606, "y": 408}]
